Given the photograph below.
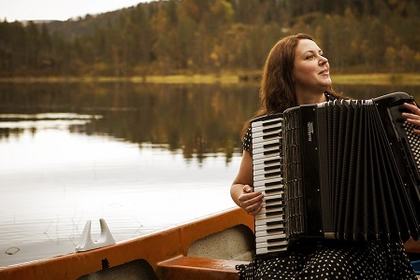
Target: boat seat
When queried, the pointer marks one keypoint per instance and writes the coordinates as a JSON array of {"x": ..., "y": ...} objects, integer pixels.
[{"x": 187, "y": 267}]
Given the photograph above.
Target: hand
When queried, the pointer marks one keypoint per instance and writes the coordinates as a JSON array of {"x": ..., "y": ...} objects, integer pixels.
[
  {"x": 412, "y": 116},
  {"x": 250, "y": 201}
]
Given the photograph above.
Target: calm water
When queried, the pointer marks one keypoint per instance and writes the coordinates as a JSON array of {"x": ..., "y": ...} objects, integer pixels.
[{"x": 142, "y": 157}]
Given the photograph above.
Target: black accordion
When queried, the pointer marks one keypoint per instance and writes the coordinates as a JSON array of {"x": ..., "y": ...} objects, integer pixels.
[{"x": 343, "y": 169}]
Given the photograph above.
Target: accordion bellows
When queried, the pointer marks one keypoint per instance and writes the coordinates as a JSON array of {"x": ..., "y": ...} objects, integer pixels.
[{"x": 348, "y": 170}]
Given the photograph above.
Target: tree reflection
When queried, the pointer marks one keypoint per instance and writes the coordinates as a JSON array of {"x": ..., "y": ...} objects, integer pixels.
[{"x": 198, "y": 120}]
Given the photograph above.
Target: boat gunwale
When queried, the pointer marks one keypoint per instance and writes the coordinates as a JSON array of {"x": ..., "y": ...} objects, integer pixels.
[{"x": 147, "y": 247}]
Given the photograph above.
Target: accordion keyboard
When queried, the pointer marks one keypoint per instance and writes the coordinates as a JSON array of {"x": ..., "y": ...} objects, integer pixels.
[{"x": 267, "y": 175}]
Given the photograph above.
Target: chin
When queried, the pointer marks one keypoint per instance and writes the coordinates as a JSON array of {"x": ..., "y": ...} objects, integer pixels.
[
  {"x": 325, "y": 87},
  {"x": 327, "y": 84}
]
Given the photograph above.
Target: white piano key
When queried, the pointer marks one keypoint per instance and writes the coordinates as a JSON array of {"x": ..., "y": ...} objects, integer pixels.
[
  {"x": 263, "y": 229},
  {"x": 264, "y": 216},
  {"x": 260, "y": 125},
  {"x": 261, "y": 122},
  {"x": 269, "y": 198},
  {"x": 258, "y": 136},
  {"x": 268, "y": 170},
  {"x": 265, "y": 233},
  {"x": 269, "y": 165},
  {"x": 269, "y": 220},
  {"x": 267, "y": 245},
  {"x": 272, "y": 204},
  {"x": 274, "y": 247},
  {"x": 275, "y": 189},
  {"x": 267, "y": 158},
  {"x": 266, "y": 150},
  {"x": 261, "y": 251},
  {"x": 273, "y": 180},
  {"x": 272, "y": 190},
  {"x": 257, "y": 145},
  {"x": 281, "y": 236},
  {"x": 274, "y": 211},
  {"x": 262, "y": 177}
]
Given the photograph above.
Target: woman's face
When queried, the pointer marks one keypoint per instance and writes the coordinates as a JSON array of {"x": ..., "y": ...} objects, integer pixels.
[{"x": 311, "y": 69}]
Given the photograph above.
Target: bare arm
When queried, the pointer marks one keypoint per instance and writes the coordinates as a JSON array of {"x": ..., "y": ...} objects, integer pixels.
[
  {"x": 241, "y": 191},
  {"x": 412, "y": 246}
]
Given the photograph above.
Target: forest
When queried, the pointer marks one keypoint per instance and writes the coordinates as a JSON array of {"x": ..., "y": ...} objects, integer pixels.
[{"x": 213, "y": 36}]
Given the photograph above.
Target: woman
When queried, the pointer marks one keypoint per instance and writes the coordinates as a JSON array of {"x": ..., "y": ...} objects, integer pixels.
[{"x": 295, "y": 73}]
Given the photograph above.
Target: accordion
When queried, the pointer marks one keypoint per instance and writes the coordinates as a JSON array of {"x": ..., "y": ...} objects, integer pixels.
[{"x": 343, "y": 169}]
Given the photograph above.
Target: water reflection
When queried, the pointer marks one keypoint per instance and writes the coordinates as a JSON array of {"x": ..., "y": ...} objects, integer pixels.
[{"x": 199, "y": 120}]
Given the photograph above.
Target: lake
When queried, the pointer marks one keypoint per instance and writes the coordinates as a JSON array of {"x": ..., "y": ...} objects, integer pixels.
[{"x": 143, "y": 157}]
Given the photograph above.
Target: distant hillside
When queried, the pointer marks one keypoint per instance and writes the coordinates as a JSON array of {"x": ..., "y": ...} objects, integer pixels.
[
  {"x": 178, "y": 36},
  {"x": 83, "y": 26}
]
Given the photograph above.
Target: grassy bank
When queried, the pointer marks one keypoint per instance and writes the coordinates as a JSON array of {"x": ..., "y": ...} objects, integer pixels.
[
  {"x": 229, "y": 78},
  {"x": 377, "y": 79},
  {"x": 156, "y": 79}
]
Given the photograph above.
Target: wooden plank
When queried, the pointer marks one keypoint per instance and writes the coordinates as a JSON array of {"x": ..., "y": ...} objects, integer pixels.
[{"x": 184, "y": 267}]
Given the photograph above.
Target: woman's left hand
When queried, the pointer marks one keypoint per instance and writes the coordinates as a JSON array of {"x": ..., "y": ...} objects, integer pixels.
[{"x": 412, "y": 116}]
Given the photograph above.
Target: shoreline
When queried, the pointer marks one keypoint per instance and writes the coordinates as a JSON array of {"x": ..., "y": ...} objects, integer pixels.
[{"x": 251, "y": 77}]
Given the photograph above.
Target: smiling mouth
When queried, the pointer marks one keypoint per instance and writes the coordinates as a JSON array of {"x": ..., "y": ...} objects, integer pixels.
[{"x": 324, "y": 72}]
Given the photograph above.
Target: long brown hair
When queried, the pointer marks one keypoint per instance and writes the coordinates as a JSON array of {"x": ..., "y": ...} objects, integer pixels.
[{"x": 277, "y": 90}]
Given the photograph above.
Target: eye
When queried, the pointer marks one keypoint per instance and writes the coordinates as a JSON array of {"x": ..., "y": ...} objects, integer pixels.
[{"x": 310, "y": 56}]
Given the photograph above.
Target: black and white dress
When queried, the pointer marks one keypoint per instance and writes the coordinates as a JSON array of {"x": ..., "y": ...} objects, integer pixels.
[{"x": 331, "y": 259}]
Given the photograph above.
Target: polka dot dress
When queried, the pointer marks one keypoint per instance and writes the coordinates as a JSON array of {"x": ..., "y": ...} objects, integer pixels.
[
  {"x": 247, "y": 141},
  {"x": 331, "y": 260},
  {"x": 371, "y": 260}
]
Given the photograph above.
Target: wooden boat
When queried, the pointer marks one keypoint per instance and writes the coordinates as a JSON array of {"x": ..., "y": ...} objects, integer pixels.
[
  {"x": 208, "y": 248},
  {"x": 204, "y": 249}
]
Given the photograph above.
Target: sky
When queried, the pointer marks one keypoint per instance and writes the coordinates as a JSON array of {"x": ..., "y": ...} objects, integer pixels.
[{"x": 12, "y": 10}]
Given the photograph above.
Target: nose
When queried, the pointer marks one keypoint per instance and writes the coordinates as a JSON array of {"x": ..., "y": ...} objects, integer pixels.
[{"x": 322, "y": 60}]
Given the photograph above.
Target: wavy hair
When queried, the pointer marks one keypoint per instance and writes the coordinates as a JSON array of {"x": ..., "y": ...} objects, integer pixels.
[{"x": 277, "y": 89}]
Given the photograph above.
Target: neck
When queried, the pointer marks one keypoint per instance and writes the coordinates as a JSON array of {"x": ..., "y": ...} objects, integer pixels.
[{"x": 309, "y": 97}]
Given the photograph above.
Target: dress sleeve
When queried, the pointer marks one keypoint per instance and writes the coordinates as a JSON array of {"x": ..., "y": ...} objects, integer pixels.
[{"x": 247, "y": 141}]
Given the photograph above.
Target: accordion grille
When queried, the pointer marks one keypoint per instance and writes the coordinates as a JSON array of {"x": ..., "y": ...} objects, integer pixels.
[
  {"x": 293, "y": 172},
  {"x": 413, "y": 141}
]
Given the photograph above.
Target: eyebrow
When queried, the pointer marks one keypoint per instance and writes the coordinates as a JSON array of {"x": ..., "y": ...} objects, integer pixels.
[{"x": 312, "y": 51}]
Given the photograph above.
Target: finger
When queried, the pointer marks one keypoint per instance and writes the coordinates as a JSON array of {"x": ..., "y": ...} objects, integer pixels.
[
  {"x": 251, "y": 201},
  {"x": 247, "y": 196},
  {"x": 257, "y": 199},
  {"x": 247, "y": 189},
  {"x": 410, "y": 115},
  {"x": 416, "y": 131},
  {"x": 411, "y": 107},
  {"x": 256, "y": 211},
  {"x": 254, "y": 208},
  {"x": 414, "y": 121}
]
